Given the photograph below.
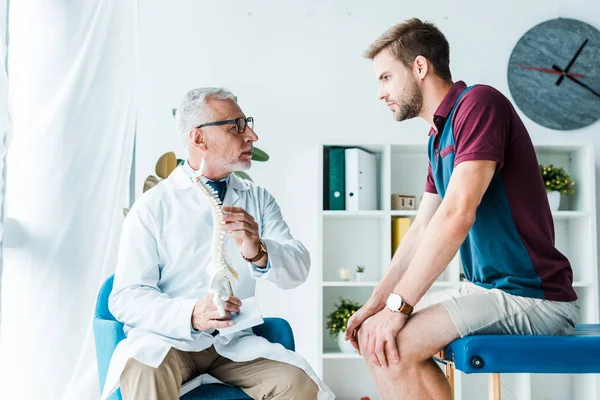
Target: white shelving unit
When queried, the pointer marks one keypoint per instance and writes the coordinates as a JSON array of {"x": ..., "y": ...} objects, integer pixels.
[{"x": 350, "y": 238}]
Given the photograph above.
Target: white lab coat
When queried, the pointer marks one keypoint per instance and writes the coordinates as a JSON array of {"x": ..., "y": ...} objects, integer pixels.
[{"x": 162, "y": 272}]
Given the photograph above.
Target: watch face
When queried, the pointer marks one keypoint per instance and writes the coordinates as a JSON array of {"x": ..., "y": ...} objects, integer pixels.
[
  {"x": 394, "y": 301},
  {"x": 554, "y": 74}
]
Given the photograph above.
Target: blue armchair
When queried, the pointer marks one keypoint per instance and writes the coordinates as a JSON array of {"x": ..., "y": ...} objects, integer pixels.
[{"x": 108, "y": 332}]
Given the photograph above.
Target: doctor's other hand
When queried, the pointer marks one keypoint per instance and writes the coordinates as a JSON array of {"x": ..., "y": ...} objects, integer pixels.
[
  {"x": 242, "y": 227},
  {"x": 205, "y": 315},
  {"x": 371, "y": 307}
]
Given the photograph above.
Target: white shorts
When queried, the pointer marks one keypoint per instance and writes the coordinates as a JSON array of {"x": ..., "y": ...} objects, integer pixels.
[{"x": 479, "y": 311}]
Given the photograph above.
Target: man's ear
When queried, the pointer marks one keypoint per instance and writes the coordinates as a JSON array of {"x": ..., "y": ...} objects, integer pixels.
[
  {"x": 197, "y": 138},
  {"x": 420, "y": 67}
]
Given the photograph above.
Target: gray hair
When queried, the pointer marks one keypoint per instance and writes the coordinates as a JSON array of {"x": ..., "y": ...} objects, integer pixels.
[{"x": 194, "y": 110}]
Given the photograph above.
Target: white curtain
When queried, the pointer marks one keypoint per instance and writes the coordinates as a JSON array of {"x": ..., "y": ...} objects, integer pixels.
[
  {"x": 72, "y": 96},
  {"x": 3, "y": 125}
]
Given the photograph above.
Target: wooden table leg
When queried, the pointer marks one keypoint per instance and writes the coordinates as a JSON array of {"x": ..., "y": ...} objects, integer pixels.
[
  {"x": 494, "y": 386},
  {"x": 449, "y": 368}
]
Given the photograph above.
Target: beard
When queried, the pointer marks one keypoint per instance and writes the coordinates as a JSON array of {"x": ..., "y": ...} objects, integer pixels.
[
  {"x": 224, "y": 163},
  {"x": 240, "y": 165},
  {"x": 412, "y": 106}
]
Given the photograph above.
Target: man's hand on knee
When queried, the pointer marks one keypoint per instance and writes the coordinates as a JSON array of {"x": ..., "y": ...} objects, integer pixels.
[
  {"x": 378, "y": 337},
  {"x": 374, "y": 305}
]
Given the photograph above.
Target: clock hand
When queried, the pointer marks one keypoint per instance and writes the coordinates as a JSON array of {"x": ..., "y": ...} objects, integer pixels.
[
  {"x": 577, "y": 81},
  {"x": 549, "y": 71},
  {"x": 558, "y": 82},
  {"x": 583, "y": 85}
]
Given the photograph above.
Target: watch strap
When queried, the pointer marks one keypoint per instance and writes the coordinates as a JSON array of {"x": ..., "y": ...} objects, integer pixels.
[
  {"x": 406, "y": 309},
  {"x": 261, "y": 253}
]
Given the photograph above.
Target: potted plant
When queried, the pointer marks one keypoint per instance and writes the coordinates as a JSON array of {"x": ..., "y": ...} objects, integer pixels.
[
  {"x": 557, "y": 182},
  {"x": 360, "y": 270},
  {"x": 337, "y": 321}
]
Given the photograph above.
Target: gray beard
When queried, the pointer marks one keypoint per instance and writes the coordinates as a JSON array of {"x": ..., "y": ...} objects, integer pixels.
[{"x": 241, "y": 165}]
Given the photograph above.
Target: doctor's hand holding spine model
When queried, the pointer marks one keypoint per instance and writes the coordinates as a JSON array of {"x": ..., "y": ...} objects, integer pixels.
[
  {"x": 190, "y": 249},
  {"x": 480, "y": 160}
]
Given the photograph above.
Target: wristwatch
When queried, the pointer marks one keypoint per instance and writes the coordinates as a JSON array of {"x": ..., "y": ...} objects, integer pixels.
[
  {"x": 396, "y": 303},
  {"x": 262, "y": 250}
]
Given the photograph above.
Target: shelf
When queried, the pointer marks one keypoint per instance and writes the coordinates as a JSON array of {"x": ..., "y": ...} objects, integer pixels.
[
  {"x": 353, "y": 214},
  {"x": 349, "y": 284},
  {"x": 435, "y": 284},
  {"x": 582, "y": 284},
  {"x": 351, "y": 238},
  {"x": 403, "y": 213},
  {"x": 413, "y": 213},
  {"x": 570, "y": 214},
  {"x": 340, "y": 356},
  {"x": 373, "y": 284},
  {"x": 444, "y": 284}
]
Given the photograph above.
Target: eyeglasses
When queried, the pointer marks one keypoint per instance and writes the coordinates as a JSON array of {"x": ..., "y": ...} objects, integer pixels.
[{"x": 241, "y": 123}]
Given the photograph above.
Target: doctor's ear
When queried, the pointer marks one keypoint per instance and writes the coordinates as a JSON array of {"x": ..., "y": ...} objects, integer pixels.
[{"x": 198, "y": 139}]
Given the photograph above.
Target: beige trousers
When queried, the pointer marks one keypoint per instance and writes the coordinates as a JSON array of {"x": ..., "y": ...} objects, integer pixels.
[{"x": 260, "y": 379}]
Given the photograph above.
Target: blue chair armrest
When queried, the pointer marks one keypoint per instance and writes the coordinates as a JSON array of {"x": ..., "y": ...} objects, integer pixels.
[
  {"x": 107, "y": 335},
  {"x": 276, "y": 330}
]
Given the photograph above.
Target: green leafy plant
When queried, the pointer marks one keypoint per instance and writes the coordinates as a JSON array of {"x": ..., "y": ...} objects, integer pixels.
[
  {"x": 338, "y": 318},
  {"x": 557, "y": 179},
  {"x": 360, "y": 269}
]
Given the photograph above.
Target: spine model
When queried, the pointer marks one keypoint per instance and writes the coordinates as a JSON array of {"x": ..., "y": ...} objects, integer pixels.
[{"x": 220, "y": 283}]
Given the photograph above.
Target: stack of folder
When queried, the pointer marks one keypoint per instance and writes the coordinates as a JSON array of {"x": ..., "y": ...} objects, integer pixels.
[{"x": 349, "y": 179}]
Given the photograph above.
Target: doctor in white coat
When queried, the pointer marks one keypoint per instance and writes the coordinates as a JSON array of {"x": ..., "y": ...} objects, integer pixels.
[{"x": 160, "y": 290}]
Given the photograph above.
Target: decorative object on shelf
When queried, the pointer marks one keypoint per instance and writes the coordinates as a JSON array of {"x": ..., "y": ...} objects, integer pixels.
[
  {"x": 337, "y": 320},
  {"x": 168, "y": 162},
  {"x": 404, "y": 202},
  {"x": 344, "y": 273},
  {"x": 399, "y": 228},
  {"x": 360, "y": 270},
  {"x": 554, "y": 74},
  {"x": 557, "y": 182}
]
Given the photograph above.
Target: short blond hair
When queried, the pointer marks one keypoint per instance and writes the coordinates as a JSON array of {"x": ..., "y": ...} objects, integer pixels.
[{"x": 414, "y": 38}]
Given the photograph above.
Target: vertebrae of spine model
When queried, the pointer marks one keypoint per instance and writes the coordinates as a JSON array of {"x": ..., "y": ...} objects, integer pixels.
[{"x": 224, "y": 273}]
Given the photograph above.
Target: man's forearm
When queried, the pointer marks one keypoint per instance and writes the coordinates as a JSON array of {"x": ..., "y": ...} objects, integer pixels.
[
  {"x": 441, "y": 240},
  {"x": 400, "y": 262}
]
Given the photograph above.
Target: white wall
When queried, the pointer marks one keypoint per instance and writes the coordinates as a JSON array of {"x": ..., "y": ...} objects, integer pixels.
[{"x": 297, "y": 68}]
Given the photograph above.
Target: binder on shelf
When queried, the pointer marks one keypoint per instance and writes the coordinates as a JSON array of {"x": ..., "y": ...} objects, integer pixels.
[
  {"x": 361, "y": 180},
  {"x": 334, "y": 180},
  {"x": 399, "y": 228}
]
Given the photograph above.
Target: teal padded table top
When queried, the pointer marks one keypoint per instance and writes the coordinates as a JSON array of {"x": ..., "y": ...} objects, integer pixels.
[{"x": 578, "y": 353}]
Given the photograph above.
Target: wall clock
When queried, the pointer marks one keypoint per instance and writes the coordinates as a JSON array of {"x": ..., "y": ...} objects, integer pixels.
[{"x": 554, "y": 74}]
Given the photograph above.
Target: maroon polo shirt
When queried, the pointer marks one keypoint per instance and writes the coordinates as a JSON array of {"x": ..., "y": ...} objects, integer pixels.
[{"x": 511, "y": 245}]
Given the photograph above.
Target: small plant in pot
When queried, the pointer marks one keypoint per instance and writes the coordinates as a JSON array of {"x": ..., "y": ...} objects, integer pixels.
[
  {"x": 557, "y": 182},
  {"x": 360, "y": 270},
  {"x": 337, "y": 321}
]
